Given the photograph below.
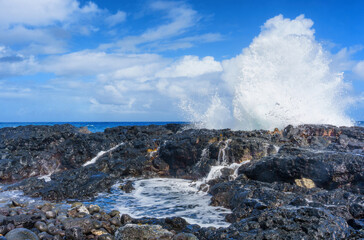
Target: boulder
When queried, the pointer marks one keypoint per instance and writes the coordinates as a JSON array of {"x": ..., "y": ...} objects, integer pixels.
[
  {"x": 136, "y": 232},
  {"x": 21, "y": 234}
]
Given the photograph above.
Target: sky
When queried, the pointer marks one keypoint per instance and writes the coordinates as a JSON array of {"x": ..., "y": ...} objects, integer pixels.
[{"x": 75, "y": 60}]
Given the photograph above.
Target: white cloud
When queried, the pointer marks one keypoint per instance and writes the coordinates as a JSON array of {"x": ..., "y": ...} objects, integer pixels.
[
  {"x": 40, "y": 13},
  {"x": 191, "y": 66},
  {"x": 8, "y": 91},
  {"x": 115, "y": 19},
  {"x": 14, "y": 64},
  {"x": 92, "y": 63},
  {"x": 33, "y": 24},
  {"x": 179, "y": 19},
  {"x": 133, "y": 81},
  {"x": 359, "y": 69},
  {"x": 35, "y": 12},
  {"x": 343, "y": 60},
  {"x": 184, "y": 42}
]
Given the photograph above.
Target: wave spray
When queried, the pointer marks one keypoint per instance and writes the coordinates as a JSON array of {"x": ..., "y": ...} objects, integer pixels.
[{"x": 284, "y": 77}]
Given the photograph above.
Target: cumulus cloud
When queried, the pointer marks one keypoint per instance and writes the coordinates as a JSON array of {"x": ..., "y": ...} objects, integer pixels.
[
  {"x": 35, "y": 26},
  {"x": 137, "y": 82}
]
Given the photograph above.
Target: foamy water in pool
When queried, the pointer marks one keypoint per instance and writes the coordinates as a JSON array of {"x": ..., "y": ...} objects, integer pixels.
[
  {"x": 164, "y": 197},
  {"x": 157, "y": 198}
]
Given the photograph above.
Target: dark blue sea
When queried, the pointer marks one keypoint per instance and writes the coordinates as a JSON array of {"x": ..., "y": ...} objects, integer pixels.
[
  {"x": 101, "y": 126},
  {"x": 92, "y": 126}
]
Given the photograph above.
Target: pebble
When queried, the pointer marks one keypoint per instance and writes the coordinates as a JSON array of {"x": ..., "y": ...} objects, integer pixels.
[
  {"x": 97, "y": 224},
  {"x": 94, "y": 209},
  {"x": 45, "y": 236},
  {"x": 115, "y": 221},
  {"x": 41, "y": 226},
  {"x": 47, "y": 207},
  {"x": 21, "y": 234},
  {"x": 51, "y": 224},
  {"x": 114, "y": 213},
  {"x": 82, "y": 209},
  {"x": 3, "y": 230},
  {"x": 15, "y": 203},
  {"x": 53, "y": 230},
  {"x": 98, "y": 232},
  {"x": 105, "y": 237},
  {"x": 125, "y": 218},
  {"x": 76, "y": 204},
  {"x": 81, "y": 214},
  {"x": 13, "y": 213},
  {"x": 50, "y": 214},
  {"x": 97, "y": 216},
  {"x": 74, "y": 233}
]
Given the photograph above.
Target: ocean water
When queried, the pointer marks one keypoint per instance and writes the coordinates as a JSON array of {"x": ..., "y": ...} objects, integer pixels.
[
  {"x": 92, "y": 126},
  {"x": 101, "y": 126},
  {"x": 164, "y": 197}
]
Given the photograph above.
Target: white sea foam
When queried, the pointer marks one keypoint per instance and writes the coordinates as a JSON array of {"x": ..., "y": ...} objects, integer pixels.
[
  {"x": 165, "y": 197},
  {"x": 46, "y": 178},
  {"x": 7, "y": 196},
  {"x": 283, "y": 77}
]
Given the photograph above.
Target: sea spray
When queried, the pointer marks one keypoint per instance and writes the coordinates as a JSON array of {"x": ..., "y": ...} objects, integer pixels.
[{"x": 283, "y": 77}]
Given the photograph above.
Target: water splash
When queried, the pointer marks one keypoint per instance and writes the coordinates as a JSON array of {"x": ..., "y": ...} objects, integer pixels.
[{"x": 283, "y": 77}]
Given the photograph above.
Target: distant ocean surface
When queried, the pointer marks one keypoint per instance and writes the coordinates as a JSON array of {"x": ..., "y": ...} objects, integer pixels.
[
  {"x": 92, "y": 126},
  {"x": 100, "y": 126}
]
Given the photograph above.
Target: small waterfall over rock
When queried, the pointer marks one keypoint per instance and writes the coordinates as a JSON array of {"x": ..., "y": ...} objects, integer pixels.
[
  {"x": 223, "y": 167},
  {"x": 48, "y": 168},
  {"x": 100, "y": 154}
]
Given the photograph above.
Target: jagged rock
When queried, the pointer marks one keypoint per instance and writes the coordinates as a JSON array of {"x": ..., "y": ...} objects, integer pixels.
[
  {"x": 293, "y": 176},
  {"x": 328, "y": 170}
]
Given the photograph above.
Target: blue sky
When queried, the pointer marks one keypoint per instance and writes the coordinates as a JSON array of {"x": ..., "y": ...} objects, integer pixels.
[{"x": 73, "y": 60}]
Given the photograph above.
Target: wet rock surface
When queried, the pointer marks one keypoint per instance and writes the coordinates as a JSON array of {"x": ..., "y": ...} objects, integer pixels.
[{"x": 304, "y": 182}]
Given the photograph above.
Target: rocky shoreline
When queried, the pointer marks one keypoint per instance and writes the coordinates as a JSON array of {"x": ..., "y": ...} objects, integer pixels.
[{"x": 304, "y": 182}]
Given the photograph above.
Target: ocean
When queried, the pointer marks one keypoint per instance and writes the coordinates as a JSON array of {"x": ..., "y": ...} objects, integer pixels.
[
  {"x": 101, "y": 126},
  {"x": 92, "y": 126}
]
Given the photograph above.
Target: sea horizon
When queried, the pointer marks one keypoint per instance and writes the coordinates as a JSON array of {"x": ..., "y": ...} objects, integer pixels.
[
  {"x": 101, "y": 126},
  {"x": 92, "y": 126}
]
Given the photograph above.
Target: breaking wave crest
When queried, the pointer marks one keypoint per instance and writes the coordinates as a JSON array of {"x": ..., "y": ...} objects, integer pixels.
[{"x": 284, "y": 77}]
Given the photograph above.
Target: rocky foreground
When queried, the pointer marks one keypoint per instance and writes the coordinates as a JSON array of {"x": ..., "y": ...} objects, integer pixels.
[{"x": 304, "y": 182}]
